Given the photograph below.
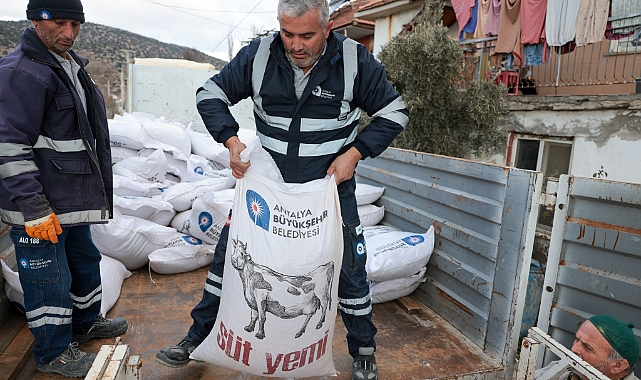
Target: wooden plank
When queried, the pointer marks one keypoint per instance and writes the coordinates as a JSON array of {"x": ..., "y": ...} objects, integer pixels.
[
  {"x": 10, "y": 329},
  {"x": 408, "y": 305},
  {"x": 417, "y": 346},
  {"x": 17, "y": 353}
]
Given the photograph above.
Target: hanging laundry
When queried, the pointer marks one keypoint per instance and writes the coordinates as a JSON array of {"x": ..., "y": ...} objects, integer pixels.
[
  {"x": 481, "y": 22},
  {"x": 592, "y": 20},
  {"x": 493, "y": 18},
  {"x": 623, "y": 8},
  {"x": 533, "y": 55},
  {"x": 533, "y": 21},
  {"x": 560, "y": 22},
  {"x": 466, "y": 16},
  {"x": 509, "y": 39}
]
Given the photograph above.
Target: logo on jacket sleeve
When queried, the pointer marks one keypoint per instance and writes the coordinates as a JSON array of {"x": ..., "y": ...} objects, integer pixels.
[{"x": 258, "y": 209}]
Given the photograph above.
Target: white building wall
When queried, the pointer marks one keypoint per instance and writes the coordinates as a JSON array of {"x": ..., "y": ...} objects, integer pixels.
[
  {"x": 388, "y": 27},
  {"x": 163, "y": 90},
  {"x": 608, "y": 136}
]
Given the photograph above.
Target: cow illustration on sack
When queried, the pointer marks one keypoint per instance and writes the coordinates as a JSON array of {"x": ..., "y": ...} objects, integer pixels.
[{"x": 282, "y": 295}]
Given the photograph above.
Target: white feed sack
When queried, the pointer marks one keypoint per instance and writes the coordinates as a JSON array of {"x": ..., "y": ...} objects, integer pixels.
[
  {"x": 400, "y": 254},
  {"x": 112, "y": 273},
  {"x": 207, "y": 216},
  {"x": 182, "y": 195},
  {"x": 169, "y": 137},
  {"x": 370, "y": 215},
  {"x": 283, "y": 259},
  {"x": 199, "y": 168},
  {"x": 130, "y": 240},
  {"x": 127, "y": 187},
  {"x": 119, "y": 153},
  {"x": 367, "y": 194},
  {"x": 370, "y": 231},
  {"x": 174, "y": 166},
  {"x": 390, "y": 290},
  {"x": 204, "y": 145},
  {"x": 151, "y": 169},
  {"x": 180, "y": 259},
  {"x": 153, "y": 209},
  {"x": 127, "y": 133}
]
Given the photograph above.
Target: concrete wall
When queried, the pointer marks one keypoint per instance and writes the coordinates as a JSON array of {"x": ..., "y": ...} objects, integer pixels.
[
  {"x": 171, "y": 92},
  {"x": 388, "y": 27},
  {"x": 606, "y": 130}
]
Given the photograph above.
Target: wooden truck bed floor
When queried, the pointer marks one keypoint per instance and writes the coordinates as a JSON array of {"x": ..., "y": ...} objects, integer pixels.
[{"x": 410, "y": 346}]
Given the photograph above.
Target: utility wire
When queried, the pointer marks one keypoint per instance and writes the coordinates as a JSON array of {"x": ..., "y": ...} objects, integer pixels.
[
  {"x": 195, "y": 15},
  {"x": 234, "y": 28}
]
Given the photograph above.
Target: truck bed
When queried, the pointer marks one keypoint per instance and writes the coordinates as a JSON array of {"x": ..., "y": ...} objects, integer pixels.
[{"x": 420, "y": 345}]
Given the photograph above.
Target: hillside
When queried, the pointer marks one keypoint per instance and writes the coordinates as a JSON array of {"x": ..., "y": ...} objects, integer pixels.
[{"x": 104, "y": 46}]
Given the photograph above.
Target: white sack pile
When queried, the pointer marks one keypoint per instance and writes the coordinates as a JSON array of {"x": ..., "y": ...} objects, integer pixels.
[
  {"x": 366, "y": 195},
  {"x": 112, "y": 274},
  {"x": 161, "y": 167},
  {"x": 396, "y": 261}
]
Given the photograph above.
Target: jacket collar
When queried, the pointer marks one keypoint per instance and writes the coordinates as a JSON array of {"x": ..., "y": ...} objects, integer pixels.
[{"x": 32, "y": 46}]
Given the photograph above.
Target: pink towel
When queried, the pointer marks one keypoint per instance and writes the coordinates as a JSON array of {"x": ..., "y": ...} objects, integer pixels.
[
  {"x": 533, "y": 21},
  {"x": 493, "y": 18},
  {"x": 463, "y": 10}
]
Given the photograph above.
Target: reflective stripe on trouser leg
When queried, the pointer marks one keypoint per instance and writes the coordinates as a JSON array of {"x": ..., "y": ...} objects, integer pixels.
[
  {"x": 83, "y": 258},
  {"x": 353, "y": 290},
  {"x": 46, "y": 282},
  {"x": 204, "y": 314}
]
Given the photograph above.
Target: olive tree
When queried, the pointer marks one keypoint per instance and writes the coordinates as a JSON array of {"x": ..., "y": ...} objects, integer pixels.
[{"x": 449, "y": 115}]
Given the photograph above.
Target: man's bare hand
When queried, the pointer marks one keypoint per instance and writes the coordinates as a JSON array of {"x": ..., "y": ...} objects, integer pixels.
[
  {"x": 235, "y": 146},
  {"x": 344, "y": 165}
]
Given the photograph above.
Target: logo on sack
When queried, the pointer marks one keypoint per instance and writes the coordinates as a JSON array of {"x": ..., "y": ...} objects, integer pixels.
[
  {"x": 199, "y": 170},
  {"x": 414, "y": 240},
  {"x": 205, "y": 221},
  {"x": 258, "y": 209},
  {"x": 24, "y": 263},
  {"x": 45, "y": 15},
  {"x": 192, "y": 240}
]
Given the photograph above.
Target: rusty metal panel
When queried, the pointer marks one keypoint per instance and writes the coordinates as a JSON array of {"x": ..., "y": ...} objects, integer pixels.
[
  {"x": 594, "y": 257},
  {"x": 484, "y": 217}
]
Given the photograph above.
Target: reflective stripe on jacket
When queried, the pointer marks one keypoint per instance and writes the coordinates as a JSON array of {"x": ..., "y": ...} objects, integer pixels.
[
  {"x": 54, "y": 155},
  {"x": 304, "y": 136}
]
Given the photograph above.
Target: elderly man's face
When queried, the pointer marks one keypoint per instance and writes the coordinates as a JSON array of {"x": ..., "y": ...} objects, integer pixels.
[
  {"x": 304, "y": 37},
  {"x": 59, "y": 35},
  {"x": 592, "y": 347}
]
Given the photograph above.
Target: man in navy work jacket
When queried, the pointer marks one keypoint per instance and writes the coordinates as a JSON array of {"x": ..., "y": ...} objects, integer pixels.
[
  {"x": 55, "y": 180},
  {"x": 308, "y": 85}
]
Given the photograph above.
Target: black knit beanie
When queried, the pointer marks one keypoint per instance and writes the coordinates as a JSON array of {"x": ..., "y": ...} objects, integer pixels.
[{"x": 55, "y": 9}]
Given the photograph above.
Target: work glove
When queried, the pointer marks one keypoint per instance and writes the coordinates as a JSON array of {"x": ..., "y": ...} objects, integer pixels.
[{"x": 47, "y": 228}]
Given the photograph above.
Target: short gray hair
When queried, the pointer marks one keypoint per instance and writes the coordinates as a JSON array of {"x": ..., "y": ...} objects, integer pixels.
[
  {"x": 614, "y": 355},
  {"x": 297, "y": 8}
]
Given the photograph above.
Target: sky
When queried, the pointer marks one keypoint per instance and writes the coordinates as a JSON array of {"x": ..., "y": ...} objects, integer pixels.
[{"x": 200, "y": 24}]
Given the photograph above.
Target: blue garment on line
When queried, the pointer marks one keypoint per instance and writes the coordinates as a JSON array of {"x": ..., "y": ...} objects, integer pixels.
[
  {"x": 470, "y": 27},
  {"x": 532, "y": 55}
]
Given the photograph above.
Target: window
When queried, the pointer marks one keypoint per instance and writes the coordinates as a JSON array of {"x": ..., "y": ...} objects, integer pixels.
[{"x": 552, "y": 156}]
